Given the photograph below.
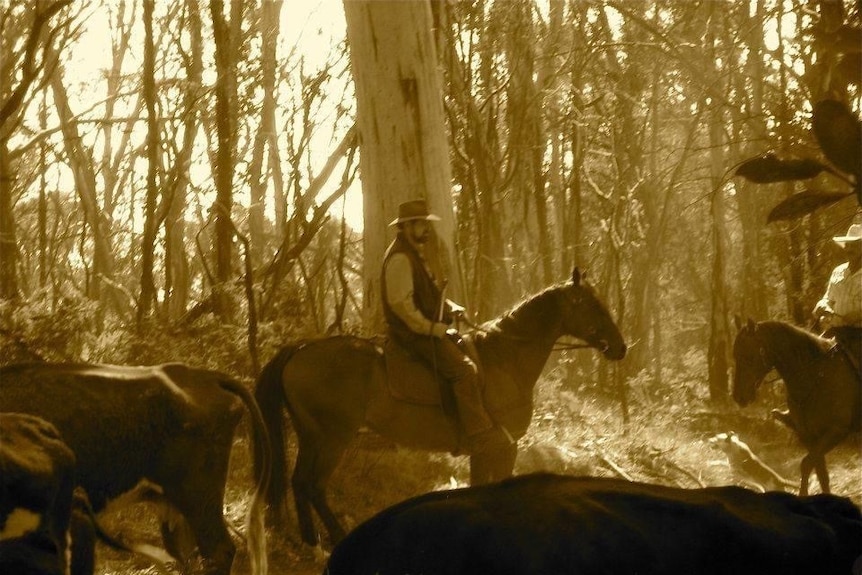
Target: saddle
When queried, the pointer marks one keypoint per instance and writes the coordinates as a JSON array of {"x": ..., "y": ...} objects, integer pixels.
[{"x": 409, "y": 379}]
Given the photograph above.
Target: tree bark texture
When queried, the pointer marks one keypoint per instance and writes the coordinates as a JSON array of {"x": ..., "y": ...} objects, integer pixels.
[
  {"x": 148, "y": 245},
  {"x": 225, "y": 112},
  {"x": 402, "y": 133}
]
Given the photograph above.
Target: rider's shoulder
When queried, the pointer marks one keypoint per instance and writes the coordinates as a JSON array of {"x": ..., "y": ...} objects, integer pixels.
[{"x": 840, "y": 271}]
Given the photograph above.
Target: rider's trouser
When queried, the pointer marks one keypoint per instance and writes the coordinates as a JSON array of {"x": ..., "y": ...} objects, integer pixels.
[{"x": 460, "y": 371}]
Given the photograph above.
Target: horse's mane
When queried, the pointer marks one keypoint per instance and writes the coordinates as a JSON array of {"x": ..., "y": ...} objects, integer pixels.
[
  {"x": 525, "y": 318},
  {"x": 812, "y": 345}
]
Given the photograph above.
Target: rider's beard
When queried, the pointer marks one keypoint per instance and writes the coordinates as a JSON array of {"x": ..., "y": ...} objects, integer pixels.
[{"x": 421, "y": 238}]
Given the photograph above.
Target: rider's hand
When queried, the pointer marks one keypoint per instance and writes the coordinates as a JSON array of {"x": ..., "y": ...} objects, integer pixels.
[
  {"x": 821, "y": 310},
  {"x": 823, "y": 316},
  {"x": 453, "y": 335},
  {"x": 439, "y": 330}
]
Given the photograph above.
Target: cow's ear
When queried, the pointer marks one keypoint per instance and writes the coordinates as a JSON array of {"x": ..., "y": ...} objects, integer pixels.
[
  {"x": 576, "y": 276},
  {"x": 751, "y": 324}
]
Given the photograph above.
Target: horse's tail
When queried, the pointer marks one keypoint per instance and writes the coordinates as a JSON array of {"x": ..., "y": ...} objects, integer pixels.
[
  {"x": 269, "y": 393},
  {"x": 263, "y": 458}
]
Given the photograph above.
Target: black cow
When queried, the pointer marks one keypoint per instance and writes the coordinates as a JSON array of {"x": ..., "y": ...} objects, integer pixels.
[
  {"x": 46, "y": 526},
  {"x": 36, "y": 485},
  {"x": 551, "y": 524},
  {"x": 170, "y": 427}
]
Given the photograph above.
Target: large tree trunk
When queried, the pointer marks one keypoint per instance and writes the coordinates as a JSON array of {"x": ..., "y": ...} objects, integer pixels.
[
  {"x": 148, "y": 284},
  {"x": 8, "y": 243},
  {"x": 750, "y": 197},
  {"x": 266, "y": 139},
  {"x": 99, "y": 223},
  {"x": 402, "y": 133},
  {"x": 719, "y": 347},
  {"x": 225, "y": 110},
  {"x": 177, "y": 275},
  {"x": 718, "y": 353}
]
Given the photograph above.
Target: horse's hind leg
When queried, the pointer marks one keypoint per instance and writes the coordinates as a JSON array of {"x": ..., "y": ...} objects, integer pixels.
[
  {"x": 302, "y": 480},
  {"x": 822, "y": 473},
  {"x": 316, "y": 460},
  {"x": 817, "y": 463}
]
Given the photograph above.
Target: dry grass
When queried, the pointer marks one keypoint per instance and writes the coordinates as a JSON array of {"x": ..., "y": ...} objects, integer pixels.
[{"x": 665, "y": 441}]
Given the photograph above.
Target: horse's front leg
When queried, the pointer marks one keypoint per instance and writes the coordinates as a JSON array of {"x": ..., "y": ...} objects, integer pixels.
[{"x": 493, "y": 466}]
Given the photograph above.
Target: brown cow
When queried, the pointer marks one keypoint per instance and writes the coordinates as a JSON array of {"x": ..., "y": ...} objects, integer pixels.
[
  {"x": 547, "y": 524},
  {"x": 169, "y": 426}
]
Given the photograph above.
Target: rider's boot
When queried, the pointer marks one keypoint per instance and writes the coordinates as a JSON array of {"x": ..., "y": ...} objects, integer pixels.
[{"x": 482, "y": 435}]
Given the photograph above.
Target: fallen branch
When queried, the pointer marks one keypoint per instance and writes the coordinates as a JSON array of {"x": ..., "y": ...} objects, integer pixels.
[
  {"x": 685, "y": 472},
  {"x": 619, "y": 470}
]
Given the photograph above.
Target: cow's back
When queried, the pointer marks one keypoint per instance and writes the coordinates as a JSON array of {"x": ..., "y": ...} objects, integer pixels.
[
  {"x": 546, "y": 524},
  {"x": 123, "y": 423}
]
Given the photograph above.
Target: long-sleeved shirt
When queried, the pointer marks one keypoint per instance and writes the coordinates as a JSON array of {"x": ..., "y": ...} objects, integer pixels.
[
  {"x": 844, "y": 296},
  {"x": 399, "y": 292}
]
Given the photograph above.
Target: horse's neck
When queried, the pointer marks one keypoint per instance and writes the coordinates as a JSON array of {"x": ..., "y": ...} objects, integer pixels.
[
  {"x": 793, "y": 353},
  {"x": 524, "y": 338}
]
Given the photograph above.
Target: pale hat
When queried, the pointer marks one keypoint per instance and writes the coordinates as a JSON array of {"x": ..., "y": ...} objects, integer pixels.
[
  {"x": 854, "y": 234},
  {"x": 413, "y": 210}
]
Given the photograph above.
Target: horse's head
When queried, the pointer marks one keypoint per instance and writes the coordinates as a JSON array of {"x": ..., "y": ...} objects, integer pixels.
[
  {"x": 752, "y": 366},
  {"x": 585, "y": 317}
]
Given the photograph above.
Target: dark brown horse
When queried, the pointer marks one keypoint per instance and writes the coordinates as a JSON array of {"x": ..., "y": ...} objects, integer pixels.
[
  {"x": 333, "y": 386},
  {"x": 823, "y": 387}
]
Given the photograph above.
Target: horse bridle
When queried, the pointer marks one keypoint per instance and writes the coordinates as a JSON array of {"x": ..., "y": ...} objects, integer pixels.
[{"x": 761, "y": 351}]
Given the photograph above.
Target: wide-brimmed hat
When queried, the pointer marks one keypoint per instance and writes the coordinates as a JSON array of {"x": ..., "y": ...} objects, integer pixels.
[
  {"x": 854, "y": 234},
  {"x": 413, "y": 210}
]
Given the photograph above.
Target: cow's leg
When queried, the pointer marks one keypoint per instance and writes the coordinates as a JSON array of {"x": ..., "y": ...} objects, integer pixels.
[
  {"x": 204, "y": 516},
  {"x": 177, "y": 535},
  {"x": 195, "y": 487}
]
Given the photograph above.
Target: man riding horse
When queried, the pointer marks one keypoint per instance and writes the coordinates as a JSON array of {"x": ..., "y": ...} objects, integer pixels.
[
  {"x": 840, "y": 308},
  {"x": 418, "y": 318},
  {"x": 839, "y": 311}
]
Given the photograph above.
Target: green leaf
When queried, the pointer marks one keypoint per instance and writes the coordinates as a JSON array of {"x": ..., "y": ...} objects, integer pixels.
[
  {"x": 804, "y": 203},
  {"x": 768, "y": 169},
  {"x": 839, "y": 133}
]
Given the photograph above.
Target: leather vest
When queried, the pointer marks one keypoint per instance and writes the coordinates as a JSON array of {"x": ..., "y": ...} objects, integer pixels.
[{"x": 426, "y": 293}]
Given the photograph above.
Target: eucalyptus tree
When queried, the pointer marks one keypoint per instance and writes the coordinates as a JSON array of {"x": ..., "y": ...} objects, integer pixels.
[{"x": 403, "y": 147}]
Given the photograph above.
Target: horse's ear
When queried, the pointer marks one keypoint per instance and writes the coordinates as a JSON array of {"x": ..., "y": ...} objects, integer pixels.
[
  {"x": 751, "y": 324},
  {"x": 576, "y": 276},
  {"x": 737, "y": 321}
]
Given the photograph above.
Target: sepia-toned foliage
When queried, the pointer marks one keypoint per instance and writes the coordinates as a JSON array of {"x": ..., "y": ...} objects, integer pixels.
[{"x": 184, "y": 180}]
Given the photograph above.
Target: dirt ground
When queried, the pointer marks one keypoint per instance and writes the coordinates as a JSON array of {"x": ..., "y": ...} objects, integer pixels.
[{"x": 665, "y": 440}]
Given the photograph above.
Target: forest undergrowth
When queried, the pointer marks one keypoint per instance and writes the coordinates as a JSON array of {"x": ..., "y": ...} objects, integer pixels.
[{"x": 579, "y": 431}]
